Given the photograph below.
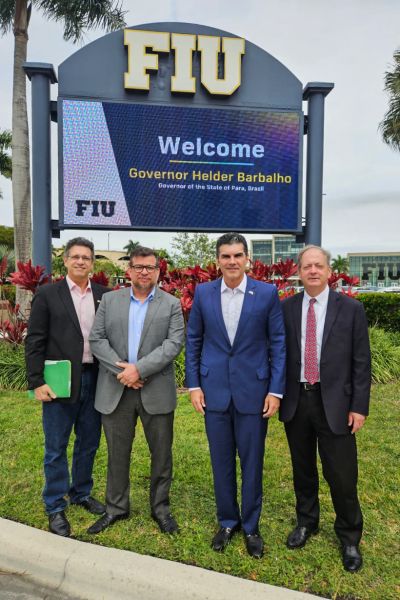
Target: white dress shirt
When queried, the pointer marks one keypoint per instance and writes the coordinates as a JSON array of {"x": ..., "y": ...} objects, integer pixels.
[
  {"x": 320, "y": 307},
  {"x": 231, "y": 303}
]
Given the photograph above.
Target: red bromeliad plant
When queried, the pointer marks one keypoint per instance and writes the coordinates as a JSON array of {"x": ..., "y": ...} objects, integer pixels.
[
  {"x": 100, "y": 278},
  {"x": 278, "y": 273},
  {"x": 182, "y": 283},
  {"x": 29, "y": 277},
  {"x": 347, "y": 280},
  {"x": 13, "y": 329},
  {"x": 178, "y": 282}
]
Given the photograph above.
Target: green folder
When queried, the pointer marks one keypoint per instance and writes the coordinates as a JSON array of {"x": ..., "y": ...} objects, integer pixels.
[{"x": 57, "y": 374}]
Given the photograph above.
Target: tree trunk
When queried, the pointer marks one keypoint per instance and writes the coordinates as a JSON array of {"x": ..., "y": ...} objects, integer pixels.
[{"x": 21, "y": 181}]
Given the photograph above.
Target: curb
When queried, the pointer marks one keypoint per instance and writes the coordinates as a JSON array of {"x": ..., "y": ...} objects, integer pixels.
[{"x": 98, "y": 573}]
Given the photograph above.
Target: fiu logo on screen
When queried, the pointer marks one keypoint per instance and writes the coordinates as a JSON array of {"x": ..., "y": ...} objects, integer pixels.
[{"x": 141, "y": 60}]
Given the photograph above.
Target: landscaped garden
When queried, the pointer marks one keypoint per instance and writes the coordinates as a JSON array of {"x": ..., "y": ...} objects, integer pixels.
[{"x": 317, "y": 568}]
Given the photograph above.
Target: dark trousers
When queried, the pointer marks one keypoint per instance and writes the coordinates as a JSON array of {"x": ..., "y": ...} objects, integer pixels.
[
  {"x": 305, "y": 432},
  {"x": 58, "y": 420},
  {"x": 230, "y": 432},
  {"x": 119, "y": 428}
]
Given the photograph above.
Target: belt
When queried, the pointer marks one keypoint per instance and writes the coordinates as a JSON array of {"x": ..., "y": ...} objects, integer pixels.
[
  {"x": 87, "y": 366},
  {"x": 310, "y": 387}
]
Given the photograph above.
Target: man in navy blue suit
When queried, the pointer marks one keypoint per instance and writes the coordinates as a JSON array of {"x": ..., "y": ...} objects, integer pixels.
[{"x": 235, "y": 370}]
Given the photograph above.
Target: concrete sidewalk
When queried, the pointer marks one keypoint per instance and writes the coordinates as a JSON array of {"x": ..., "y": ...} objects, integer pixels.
[{"x": 94, "y": 572}]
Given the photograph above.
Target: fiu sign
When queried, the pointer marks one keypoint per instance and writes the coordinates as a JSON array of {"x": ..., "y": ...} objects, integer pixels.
[{"x": 141, "y": 60}]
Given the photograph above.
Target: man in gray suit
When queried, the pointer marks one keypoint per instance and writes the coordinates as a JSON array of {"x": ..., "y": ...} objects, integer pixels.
[{"x": 137, "y": 334}]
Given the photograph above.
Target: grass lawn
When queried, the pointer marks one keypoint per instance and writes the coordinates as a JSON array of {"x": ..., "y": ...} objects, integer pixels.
[{"x": 316, "y": 568}]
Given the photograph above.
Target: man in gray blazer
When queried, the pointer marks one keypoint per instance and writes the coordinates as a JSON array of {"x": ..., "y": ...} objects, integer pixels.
[{"x": 137, "y": 334}]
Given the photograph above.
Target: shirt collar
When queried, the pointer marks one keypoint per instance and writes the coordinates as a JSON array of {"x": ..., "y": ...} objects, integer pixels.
[
  {"x": 241, "y": 287},
  {"x": 72, "y": 285},
  {"x": 322, "y": 298},
  {"x": 149, "y": 297}
]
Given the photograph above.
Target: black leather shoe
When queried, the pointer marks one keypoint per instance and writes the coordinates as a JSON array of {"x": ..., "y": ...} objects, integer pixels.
[
  {"x": 58, "y": 524},
  {"x": 166, "y": 524},
  {"x": 105, "y": 521},
  {"x": 352, "y": 559},
  {"x": 92, "y": 505},
  {"x": 222, "y": 538},
  {"x": 299, "y": 536},
  {"x": 255, "y": 545}
]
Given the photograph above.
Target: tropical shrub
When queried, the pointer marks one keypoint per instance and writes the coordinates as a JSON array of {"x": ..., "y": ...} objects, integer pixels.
[
  {"x": 382, "y": 310},
  {"x": 12, "y": 367},
  {"x": 385, "y": 356}
]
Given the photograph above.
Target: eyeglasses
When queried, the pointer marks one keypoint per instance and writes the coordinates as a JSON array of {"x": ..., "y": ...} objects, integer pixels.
[
  {"x": 76, "y": 257},
  {"x": 140, "y": 268}
]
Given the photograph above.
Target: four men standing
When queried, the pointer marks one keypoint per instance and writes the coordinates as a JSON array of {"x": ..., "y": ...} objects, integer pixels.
[{"x": 235, "y": 369}]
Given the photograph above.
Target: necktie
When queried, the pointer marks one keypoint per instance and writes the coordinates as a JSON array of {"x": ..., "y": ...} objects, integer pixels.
[{"x": 311, "y": 372}]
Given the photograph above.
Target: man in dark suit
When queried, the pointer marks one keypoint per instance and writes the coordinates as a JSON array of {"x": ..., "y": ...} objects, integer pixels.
[
  {"x": 137, "y": 333},
  {"x": 235, "y": 366},
  {"x": 61, "y": 317},
  {"x": 326, "y": 402}
]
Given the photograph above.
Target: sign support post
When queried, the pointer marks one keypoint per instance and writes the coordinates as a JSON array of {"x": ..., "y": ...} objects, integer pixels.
[
  {"x": 41, "y": 75},
  {"x": 315, "y": 94}
]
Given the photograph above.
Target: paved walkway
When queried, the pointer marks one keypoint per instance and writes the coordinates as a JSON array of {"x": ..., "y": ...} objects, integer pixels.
[{"x": 93, "y": 572}]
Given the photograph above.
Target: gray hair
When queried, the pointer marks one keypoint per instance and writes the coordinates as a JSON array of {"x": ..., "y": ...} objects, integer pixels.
[
  {"x": 79, "y": 241},
  {"x": 326, "y": 253}
]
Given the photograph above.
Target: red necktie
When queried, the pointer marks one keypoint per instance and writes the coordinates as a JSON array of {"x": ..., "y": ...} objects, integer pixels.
[{"x": 311, "y": 372}]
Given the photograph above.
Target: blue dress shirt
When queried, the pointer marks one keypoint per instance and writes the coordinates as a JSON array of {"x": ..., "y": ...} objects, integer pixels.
[{"x": 137, "y": 315}]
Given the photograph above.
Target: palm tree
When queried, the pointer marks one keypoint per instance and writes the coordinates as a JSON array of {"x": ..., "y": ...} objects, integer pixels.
[
  {"x": 76, "y": 16},
  {"x": 390, "y": 126},
  {"x": 5, "y": 158},
  {"x": 340, "y": 264},
  {"x": 131, "y": 246}
]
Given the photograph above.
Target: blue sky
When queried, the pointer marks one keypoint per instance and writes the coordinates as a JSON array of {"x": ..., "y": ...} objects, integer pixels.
[{"x": 348, "y": 42}]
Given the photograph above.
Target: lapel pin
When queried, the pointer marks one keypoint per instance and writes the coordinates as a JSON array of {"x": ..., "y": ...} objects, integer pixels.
[{"x": 251, "y": 292}]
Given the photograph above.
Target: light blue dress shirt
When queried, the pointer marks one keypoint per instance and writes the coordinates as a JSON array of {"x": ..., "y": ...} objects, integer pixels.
[{"x": 137, "y": 315}]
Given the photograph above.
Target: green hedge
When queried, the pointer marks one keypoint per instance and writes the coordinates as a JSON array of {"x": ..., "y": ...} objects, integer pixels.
[
  {"x": 382, "y": 309},
  {"x": 13, "y": 372},
  {"x": 385, "y": 354}
]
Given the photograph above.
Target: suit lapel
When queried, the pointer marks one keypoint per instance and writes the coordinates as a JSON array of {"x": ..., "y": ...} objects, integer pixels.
[
  {"x": 247, "y": 308},
  {"x": 124, "y": 302},
  {"x": 66, "y": 298},
  {"x": 331, "y": 314},
  {"x": 296, "y": 316},
  {"x": 152, "y": 310},
  {"x": 96, "y": 295},
  {"x": 216, "y": 302}
]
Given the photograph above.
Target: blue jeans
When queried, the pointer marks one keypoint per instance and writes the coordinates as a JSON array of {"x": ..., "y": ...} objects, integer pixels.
[{"x": 58, "y": 421}]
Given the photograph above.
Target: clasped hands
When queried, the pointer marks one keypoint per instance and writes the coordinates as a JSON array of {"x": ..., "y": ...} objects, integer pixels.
[{"x": 129, "y": 375}]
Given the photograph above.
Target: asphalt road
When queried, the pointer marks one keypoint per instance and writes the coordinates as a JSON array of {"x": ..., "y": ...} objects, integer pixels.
[{"x": 18, "y": 587}]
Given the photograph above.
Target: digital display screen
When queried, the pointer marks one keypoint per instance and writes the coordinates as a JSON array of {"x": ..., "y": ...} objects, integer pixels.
[{"x": 143, "y": 166}]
